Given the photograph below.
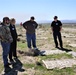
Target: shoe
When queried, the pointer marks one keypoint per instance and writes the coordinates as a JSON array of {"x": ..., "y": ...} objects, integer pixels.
[
  {"x": 29, "y": 49},
  {"x": 12, "y": 61},
  {"x": 56, "y": 47},
  {"x": 61, "y": 47},
  {"x": 36, "y": 52},
  {"x": 6, "y": 66},
  {"x": 41, "y": 54},
  {"x": 7, "y": 69},
  {"x": 35, "y": 48}
]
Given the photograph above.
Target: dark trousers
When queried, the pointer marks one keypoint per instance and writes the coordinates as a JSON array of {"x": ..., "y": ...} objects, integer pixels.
[
  {"x": 31, "y": 38},
  {"x": 13, "y": 50},
  {"x": 57, "y": 35}
]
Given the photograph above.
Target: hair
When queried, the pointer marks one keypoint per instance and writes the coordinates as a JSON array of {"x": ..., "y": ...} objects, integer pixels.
[
  {"x": 32, "y": 18},
  {"x": 5, "y": 18},
  {"x": 12, "y": 20},
  {"x": 55, "y": 17}
]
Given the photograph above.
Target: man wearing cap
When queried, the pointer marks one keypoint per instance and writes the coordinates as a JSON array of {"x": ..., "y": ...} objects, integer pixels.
[
  {"x": 6, "y": 39},
  {"x": 56, "y": 26},
  {"x": 30, "y": 27}
]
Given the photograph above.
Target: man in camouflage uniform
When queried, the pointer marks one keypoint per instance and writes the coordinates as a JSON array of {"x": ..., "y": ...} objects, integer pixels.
[{"x": 6, "y": 39}]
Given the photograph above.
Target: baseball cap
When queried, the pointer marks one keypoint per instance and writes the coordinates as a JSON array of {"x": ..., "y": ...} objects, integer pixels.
[
  {"x": 32, "y": 17},
  {"x": 55, "y": 17}
]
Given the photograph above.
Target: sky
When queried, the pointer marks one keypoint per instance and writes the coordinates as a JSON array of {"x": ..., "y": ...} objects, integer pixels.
[{"x": 42, "y": 10}]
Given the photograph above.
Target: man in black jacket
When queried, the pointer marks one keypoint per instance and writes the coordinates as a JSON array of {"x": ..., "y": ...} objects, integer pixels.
[
  {"x": 30, "y": 27},
  {"x": 56, "y": 26},
  {"x": 14, "y": 43}
]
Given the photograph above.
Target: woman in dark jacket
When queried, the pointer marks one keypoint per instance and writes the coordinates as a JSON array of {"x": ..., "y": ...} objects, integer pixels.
[{"x": 14, "y": 43}]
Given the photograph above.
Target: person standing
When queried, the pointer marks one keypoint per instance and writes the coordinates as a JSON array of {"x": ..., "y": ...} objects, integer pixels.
[
  {"x": 14, "y": 43},
  {"x": 6, "y": 39},
  {"x": 56, "y": 26},
  {"x": 30, "y": 27}
]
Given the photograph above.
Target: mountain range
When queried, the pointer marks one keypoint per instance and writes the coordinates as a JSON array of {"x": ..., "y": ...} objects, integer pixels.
[{"x": 63, "y": 21}]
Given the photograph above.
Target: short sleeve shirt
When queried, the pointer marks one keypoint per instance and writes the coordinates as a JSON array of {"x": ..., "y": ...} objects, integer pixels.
[{"x": 56, "y": 25}]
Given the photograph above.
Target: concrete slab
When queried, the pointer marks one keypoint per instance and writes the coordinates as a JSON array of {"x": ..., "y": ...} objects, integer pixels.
[
  {"x": 50, "y": 52},
  {"x": 60, "y": 64},
  {"x": 72, "y": 45},
  {"x": 73, "y": 53}
]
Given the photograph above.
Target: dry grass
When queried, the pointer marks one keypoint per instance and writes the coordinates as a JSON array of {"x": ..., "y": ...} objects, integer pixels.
[{"x": 46, "y": 43}]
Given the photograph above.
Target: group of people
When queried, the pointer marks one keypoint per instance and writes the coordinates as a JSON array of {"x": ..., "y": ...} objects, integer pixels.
[
  {"x": 30, "y": 27},
  {"x": 8, "y": 36}
]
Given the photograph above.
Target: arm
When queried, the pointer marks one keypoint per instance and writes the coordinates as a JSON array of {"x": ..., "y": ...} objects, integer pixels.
[
  {"x": 1, "y": 33},
  {"x": 25, "y": 25},
  {"x": 1, "y": 37},
  {"x": 36, "y": 25},
  {"x": 16, "y": 33},
  {"x": 60, "y": 26},
  {"x": 52, "y": 29},
  {"x": 52, "y": 26}
]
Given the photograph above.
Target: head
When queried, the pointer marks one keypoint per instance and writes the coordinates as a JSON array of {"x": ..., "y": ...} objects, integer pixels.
[
  {"x": 12, "y": 21},
  {"x": 55, "y": 18},
  {"x": 32, "y": 18},
  {"x": 6, "y": 20}
]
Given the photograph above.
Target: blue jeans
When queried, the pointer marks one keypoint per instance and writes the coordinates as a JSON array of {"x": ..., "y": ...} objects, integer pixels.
[
  {"x": 31, "y": 38},
  {"x": 6, "y": 49}
]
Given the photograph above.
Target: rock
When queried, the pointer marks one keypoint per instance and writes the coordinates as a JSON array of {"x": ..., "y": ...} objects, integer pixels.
[
  {"x": 20, "y": 52},
  {"x": 68, "y": 35},
  {"x": 23, "y": 41},
  {"x": 64, "y": 36},
  {"x": 20, "y": 35},
  {"x": 18, "y": 39}
]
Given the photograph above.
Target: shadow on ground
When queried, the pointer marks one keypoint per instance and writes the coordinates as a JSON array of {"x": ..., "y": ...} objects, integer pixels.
[
  {"x": 16, "y": 67},
  {"x": 25, "y": 53},
  {"x": 64, "y": 49}
]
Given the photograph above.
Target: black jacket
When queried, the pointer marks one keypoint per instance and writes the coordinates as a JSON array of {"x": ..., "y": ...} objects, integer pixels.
[
  {"x": 30, "y": 26},
  {"x": 13, "y": 32}
]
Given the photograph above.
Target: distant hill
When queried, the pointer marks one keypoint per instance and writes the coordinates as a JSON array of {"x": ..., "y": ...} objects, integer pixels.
[
  {"x": 49, "y": 21},
  {"x": 63, "y": 21},
  {"x": 68, "y": 21}
]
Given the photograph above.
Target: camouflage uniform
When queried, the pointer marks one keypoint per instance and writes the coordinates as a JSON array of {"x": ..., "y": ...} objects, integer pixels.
[
  {"x": 5, "y": 35},
  {"x": 6, "y": 39}
]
